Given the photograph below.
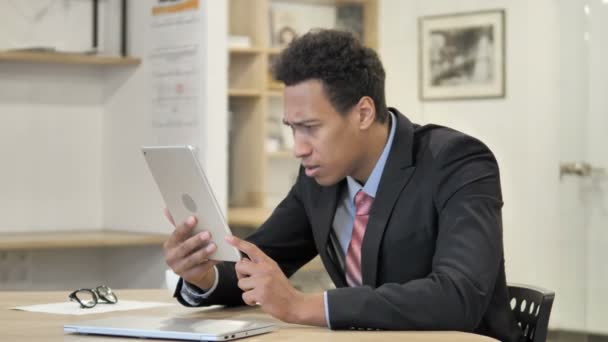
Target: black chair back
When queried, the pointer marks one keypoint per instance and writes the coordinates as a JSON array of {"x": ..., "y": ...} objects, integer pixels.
[{"x": 532, "y": 308}]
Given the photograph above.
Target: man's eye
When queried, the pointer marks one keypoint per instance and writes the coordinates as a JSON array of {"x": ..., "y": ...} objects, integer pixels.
[{"x": 304, "y": 128}]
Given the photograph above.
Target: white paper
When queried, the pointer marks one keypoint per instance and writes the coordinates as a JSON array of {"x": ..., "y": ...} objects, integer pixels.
[
  {"x": 174, "y": 60},
  {"x": 73, "y": 308},
  {"x": 174, "y": 78}
]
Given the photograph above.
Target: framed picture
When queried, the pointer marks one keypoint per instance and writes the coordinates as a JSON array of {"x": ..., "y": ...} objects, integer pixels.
[{"x": 462, "y": 56}]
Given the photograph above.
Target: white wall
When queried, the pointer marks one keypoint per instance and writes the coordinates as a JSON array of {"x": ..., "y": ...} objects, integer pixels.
[
  {"x": 70, "y": 140},
  {"x": 70, "y": 135},
  {"x": 573, "y": 99},
  {"x": 215, "y": 106},
  {"x": 50, "y": 175},
  {"x": 131, "y": 199},
  {"x": 51, "y": 119},
  {"x": 595, "y": 188},
  {"x": 521, "y": 129}
]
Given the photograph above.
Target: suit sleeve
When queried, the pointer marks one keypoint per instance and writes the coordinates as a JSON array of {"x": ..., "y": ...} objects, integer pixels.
[
  {"x": 466, "y": 261},
  {"x": 286, "y": 237}
]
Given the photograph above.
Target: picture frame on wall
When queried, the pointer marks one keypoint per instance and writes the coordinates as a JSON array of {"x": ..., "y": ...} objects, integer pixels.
[{"x": 462, "y": 55}]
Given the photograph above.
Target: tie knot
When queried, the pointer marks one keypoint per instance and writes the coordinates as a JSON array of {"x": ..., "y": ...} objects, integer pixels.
[{"x": 363, "y": 203}]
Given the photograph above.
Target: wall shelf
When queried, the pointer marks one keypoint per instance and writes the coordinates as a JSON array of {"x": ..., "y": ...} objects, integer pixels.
[
  {"x": 273, "y": 51},
  {"x": 246, "y": 51},
  {"x": 78, "y": 239},
  {"x": 281, "y": 155},
  {"x": 244, "y": 93},
  {"x": 66, "y": 58}
]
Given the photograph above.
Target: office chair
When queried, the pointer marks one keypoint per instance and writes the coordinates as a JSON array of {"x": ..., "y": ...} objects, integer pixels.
[{"x": 532, "y": 308}]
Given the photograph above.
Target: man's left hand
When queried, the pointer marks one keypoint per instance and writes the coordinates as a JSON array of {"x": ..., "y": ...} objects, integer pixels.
[{"x": 263, "y": 283}]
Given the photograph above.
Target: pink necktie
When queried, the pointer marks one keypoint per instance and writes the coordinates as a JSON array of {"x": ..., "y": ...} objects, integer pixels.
[{"x": 363, "y": 203}]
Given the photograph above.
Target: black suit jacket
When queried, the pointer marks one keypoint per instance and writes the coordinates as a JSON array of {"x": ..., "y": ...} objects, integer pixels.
[{"x": 432, "y": 255}]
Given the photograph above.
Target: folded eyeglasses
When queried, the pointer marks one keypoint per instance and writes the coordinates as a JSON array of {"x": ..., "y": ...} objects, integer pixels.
[{"x": 88, "y": 298}]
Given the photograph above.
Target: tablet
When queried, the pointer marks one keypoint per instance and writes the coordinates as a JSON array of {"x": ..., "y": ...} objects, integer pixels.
[{"x": 186, "y": 192}]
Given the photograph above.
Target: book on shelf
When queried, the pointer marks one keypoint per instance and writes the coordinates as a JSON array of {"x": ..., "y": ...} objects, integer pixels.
[{"x": 235, "y": 41}]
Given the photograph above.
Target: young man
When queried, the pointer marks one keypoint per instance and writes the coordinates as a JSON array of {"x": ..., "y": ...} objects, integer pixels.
[{"x": 406, "y": 218}]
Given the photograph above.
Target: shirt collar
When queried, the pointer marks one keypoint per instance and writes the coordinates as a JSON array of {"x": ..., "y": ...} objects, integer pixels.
[{"x": 371, "y": 186}]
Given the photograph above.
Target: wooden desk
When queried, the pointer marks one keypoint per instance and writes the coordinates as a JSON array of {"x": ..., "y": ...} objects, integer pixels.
[{"x": 31, "y": 326}]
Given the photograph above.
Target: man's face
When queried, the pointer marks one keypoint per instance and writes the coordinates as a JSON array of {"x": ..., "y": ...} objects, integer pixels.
[{"x": 326, "y": 141}]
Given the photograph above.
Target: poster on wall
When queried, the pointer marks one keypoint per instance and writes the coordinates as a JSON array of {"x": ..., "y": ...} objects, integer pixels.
[
  {"x": 462, "y": 56},
  {"x": 174, "y": 63},
  {"x": 175, "y": 83}
]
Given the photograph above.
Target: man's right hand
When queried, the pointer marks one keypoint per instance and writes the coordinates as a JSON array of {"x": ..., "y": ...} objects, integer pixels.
[{"x": 188, "y": 256}]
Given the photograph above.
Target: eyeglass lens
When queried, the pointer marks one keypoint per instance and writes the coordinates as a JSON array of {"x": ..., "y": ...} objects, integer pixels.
[
  {"x": 86, "y": 298},
  {"x": 105, "y": 293}
]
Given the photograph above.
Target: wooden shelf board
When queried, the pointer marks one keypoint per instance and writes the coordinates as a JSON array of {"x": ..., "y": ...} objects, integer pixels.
[
  {"x": 245, "y": 51},
  {"x": 273, "y": 51},
  {"x": 274, "y": 93},
  {"x": 244, "y": 93},
  {"x": 248, "y": 217},
  {"x": 77, "y": 239},
  {"x": 281, "y": 155},
  {"x": 66, "y": 58}
]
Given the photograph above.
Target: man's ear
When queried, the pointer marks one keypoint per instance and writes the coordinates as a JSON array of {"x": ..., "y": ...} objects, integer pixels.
[{"x": 367, "y": 112}]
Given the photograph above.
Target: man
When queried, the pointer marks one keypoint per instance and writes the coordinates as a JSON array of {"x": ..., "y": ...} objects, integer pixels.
[{"x": 406, "y": 218}]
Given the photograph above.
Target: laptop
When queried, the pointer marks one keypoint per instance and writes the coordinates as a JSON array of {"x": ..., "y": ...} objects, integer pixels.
[{"x": 188, "y": 329}]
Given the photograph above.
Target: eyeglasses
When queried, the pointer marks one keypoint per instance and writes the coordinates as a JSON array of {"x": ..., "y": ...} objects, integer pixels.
[{"x": 88, "y": 298}]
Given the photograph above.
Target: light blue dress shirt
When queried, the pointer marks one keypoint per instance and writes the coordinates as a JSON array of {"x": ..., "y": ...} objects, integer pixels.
[{"x": 343, "y": 218}]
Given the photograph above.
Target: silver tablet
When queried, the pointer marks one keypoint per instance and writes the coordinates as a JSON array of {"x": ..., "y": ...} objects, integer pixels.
[{"x": 186, "y": 192}]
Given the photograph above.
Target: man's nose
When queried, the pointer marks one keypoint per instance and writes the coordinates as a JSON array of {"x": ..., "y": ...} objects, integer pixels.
[{"x": 301, "y": 147}]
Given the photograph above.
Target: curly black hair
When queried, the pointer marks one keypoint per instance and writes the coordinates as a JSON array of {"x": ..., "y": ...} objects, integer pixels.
[{"x": 347, "y": 69}]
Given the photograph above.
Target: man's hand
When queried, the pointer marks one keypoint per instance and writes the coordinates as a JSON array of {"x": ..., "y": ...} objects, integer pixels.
[
  {"x": 263, "y": 283},
  {"x": 189, "y": 256}
]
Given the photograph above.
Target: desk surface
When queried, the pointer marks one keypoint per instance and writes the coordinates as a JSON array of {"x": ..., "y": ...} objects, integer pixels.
[{"x": 31, "y": 326}]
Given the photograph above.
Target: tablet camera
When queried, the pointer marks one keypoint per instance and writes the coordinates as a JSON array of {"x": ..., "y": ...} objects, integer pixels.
[{"x": 189, "y": 203}]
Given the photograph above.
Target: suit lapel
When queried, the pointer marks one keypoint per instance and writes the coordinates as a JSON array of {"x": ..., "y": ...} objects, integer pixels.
[
  {"x": 397, "y": 173},
  {"x": 325, "y": 209}
]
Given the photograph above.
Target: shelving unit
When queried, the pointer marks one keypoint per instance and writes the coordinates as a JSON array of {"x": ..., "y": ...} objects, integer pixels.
[
  {"x": 252, "y": 96},
  {"x": 67, "y": 58}
]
